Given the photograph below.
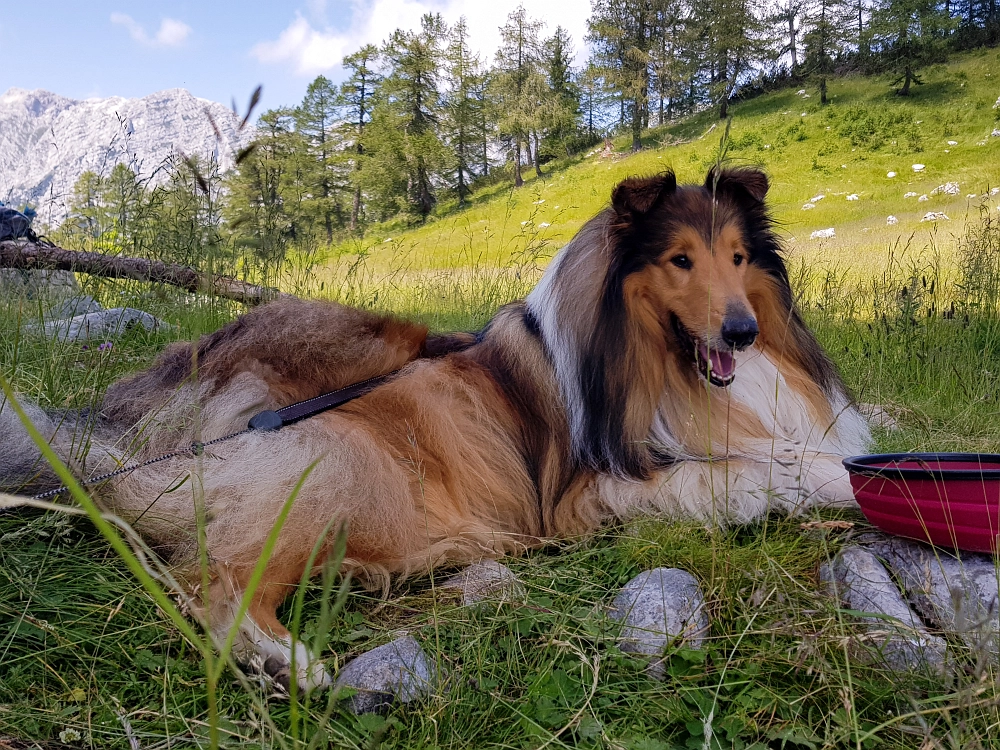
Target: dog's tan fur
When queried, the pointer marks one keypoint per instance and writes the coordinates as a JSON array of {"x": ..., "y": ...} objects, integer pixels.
[{"x": 577, "y": 405}]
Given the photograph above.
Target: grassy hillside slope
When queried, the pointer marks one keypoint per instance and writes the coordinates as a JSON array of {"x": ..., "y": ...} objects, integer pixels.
[{"x": 847, "y": 147}]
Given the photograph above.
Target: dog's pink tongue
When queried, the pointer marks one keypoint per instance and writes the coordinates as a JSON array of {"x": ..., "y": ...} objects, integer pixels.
[{"x": 723, "y": 363}]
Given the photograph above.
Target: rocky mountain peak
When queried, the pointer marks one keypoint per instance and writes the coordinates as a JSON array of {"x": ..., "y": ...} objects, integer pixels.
[{"x": 47, "y": 141}]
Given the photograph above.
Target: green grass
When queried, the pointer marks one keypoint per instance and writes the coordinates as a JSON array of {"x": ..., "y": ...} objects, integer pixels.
[{"x": 84, "y": 649}]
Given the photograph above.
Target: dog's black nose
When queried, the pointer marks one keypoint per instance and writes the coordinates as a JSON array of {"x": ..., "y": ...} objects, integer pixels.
[{"x": 739, "y": 331}]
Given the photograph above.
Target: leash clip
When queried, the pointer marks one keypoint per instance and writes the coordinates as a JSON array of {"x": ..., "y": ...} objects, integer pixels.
[{"x": 266, "y": 421}]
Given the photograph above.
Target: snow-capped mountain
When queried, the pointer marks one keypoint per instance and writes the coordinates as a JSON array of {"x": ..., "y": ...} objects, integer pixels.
[{"x": 47, "y": 141}]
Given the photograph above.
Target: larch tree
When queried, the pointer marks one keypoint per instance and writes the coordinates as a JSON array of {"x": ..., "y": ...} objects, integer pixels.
[
  {"x": 519, "y": 85},
  {"x": 316, "y": 121},
  {"x": 411, "y": 92},
  {"x": 621, "y": 32},
  {"x": 357, "y": 93},
  {"x": 909, "y": 35},
  {"x": 828, "y": 27},
  {"x": 463, "y": 122}
]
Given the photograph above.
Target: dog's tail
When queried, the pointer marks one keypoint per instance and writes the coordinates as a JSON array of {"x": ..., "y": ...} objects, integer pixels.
[{"x": 23, "y": 468}]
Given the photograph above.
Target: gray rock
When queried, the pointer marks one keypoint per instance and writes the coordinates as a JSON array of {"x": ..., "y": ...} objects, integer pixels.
[
  {"x": 861, "y": 583},
  {"x": 81, "y": 304},
  {"x": 398, "y": 671},
  {"x": 35, "y": 283},
  {"x": 99, "y": 325},
  {"x": 957, "y": 595},
  {"x": 487, "y": 580},
  {"x": 658, "y": 608}
]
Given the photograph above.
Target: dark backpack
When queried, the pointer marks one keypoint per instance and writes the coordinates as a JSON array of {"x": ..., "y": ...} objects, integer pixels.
[{"x": 15, "y": 226}]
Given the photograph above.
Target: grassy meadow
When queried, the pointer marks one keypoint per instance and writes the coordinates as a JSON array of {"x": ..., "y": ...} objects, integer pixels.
[{"x": 89, "y": 658}]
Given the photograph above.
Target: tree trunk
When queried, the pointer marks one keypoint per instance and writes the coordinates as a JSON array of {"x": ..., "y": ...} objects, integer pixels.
[
  {"x": 356, "y": 208},
  {"x": 791, "y": 41},
  {"x": 518, "y": 180},
  {"x": 461, "y": 168},
  {"x": 535, "y": 156},
  {"x": 724, "y": 105},
  {"x": 822, "y": 90},
  {"x": 30, "y": 256},
  {"x": 907, "y": 78}
]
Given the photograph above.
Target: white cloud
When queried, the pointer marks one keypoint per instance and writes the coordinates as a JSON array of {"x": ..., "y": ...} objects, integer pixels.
[
  {"x": 171, "y": 33},
  {"x": 312, "y": 47}
]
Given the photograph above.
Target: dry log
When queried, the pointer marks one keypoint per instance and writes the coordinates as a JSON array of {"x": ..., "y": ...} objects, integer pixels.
[{"x": 31, "y": 256}]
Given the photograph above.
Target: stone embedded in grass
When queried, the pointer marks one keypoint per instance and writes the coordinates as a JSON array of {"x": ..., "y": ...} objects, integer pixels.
[
  {"x": 923, "y": 198},
  {"x": 949, "y": 188},
  {"x": 909, "y": 195},
  {"x": 853, "y": 197},
  {"x": 995, "y": 191},
  {"x": 891, "y": 220},
  {"x": 957, "y": 595},
  {"x": 952, "y": 143},
  {"x": 935, "y": 216},
  {"x": 816, "y": 198},
  {"x": 81, "y": 304},
  {"x": 918, "y": 167},
  {"x": 879, "y": 416},
  {"x": 822, "y": 234},
  {"x": 100, "y": 325},
  {"x": 890, "y": 175},
  {"x": 808, "y": 206},
  {"x": 37, "y": 283},
  {"x": 995, "y": 133},
  {"x": 399, "y": 671},
  {"x": 658, "y": 608},
  {"x": 894, "y": 633},
  {"x": 487, "y": 580}
]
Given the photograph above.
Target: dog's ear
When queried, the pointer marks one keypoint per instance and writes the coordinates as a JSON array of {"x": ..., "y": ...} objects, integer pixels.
[
  {"x": 637, "y": 195},
  {"x": 740, "y": 183}
]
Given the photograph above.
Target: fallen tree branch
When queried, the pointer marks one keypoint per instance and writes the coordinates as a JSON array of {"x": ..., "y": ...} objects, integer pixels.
[{"x": 32, "y": 256}]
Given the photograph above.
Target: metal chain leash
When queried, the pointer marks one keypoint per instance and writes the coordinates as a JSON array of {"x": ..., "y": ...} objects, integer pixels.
[{"x": 196, "y": 448}]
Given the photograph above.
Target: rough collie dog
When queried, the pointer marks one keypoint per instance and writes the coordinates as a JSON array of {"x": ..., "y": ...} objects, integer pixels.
[{"x": 660, "y": 366}]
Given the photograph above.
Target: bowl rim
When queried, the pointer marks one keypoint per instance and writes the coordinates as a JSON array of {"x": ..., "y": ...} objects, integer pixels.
[{"x": 861, "y": 465}]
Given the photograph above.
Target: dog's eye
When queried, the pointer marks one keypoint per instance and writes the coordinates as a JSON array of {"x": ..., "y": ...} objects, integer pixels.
[
  {"x": 681, "y": 261},
  {"x": 738, "y": 259}
]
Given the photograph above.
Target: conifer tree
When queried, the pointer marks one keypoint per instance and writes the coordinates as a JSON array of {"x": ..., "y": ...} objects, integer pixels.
[
  {"x": 621, "y": 33},
  {"x": 463, "y": 117},
  {"x": 908, "y": 35},
  {"x": 316, "y": 121},
  {"x": 519, "y": 85},
  {"x": 561, "y": 112},
  {"x": 356, "y": 98},
  {"x": 828, "y": 25},
  {"x": 413, "y": 100}
]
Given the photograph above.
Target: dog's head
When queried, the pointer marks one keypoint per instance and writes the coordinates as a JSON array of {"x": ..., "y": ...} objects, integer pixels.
[
  {"x": 669, "y": 281},
  {"x": 686, "y": 259}
]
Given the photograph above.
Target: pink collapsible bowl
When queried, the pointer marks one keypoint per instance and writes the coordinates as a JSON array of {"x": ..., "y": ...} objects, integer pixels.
[{"x": 951, "y": 500}]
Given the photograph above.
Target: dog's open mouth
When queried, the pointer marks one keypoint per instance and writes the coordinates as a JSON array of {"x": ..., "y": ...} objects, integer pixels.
[{"x": 718, "y": 366}]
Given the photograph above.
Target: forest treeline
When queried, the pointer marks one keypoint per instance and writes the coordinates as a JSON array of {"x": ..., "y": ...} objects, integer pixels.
[{"x": 422, "y": 119}]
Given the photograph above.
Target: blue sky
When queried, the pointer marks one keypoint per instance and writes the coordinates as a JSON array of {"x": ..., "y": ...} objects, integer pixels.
[{"x": 221, "y": 50}]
